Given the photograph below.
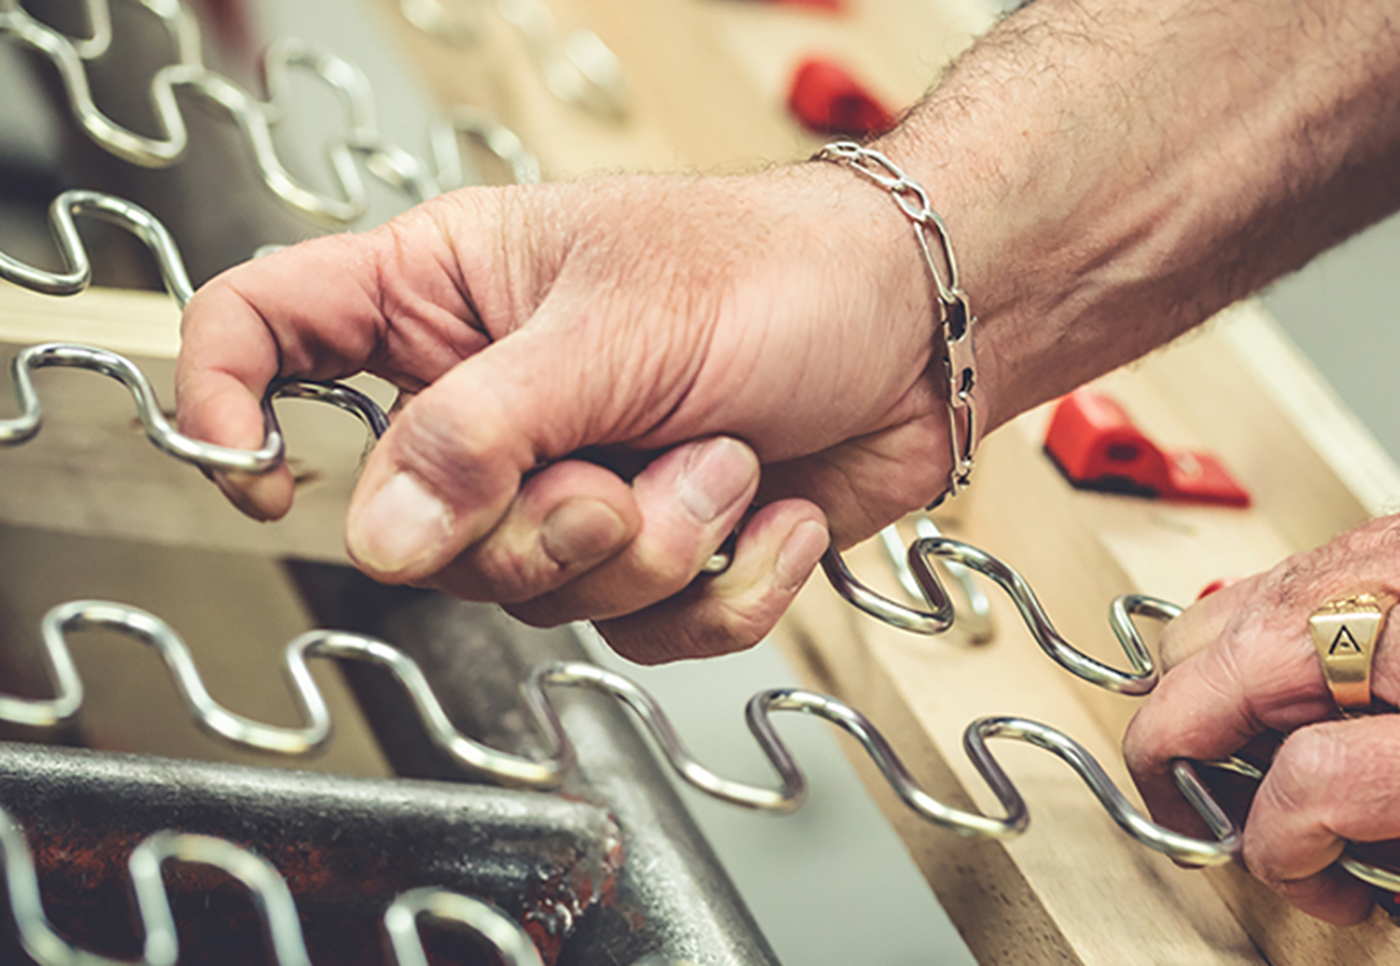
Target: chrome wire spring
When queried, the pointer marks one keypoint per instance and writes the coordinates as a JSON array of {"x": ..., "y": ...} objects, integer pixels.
[
  {"x": 76, "y": 278},
  {"x": 480, "y": 760},
  {"x": 578, "y": 67},
  {"x": 270, "y": 896},
  {"x": 63, "y": 212},
  {"x": 166, "y": 438},
  {"x": 940, "y": 615},
  {"x": 975, "y": 610},
  {"x": 362, "y": 141}
]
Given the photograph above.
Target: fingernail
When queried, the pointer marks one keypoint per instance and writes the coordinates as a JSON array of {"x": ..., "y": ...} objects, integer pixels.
[
  {"x": 401, "y": 525},
  {"x": 716, "y": 475},
  {"x": 235, "y": 487},
  {"x": 800, "y": 553},
  {"x": 580, "y": 530}
]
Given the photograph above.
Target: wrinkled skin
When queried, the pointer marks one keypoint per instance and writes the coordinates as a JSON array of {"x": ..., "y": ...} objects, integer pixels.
[
  {"x": 1242, "y": 673},
  {"x": 688, "y": 329}
]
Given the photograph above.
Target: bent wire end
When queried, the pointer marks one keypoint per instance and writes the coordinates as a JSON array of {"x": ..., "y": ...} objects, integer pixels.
[
  {"x": 162, "y": 434},
  {"x": 973, "y": 612}
]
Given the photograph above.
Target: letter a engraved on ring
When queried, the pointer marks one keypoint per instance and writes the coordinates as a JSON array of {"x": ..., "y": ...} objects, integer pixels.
[
  {"x": 1344, "y": 632},
  {"x": 1344, "y": 643}
]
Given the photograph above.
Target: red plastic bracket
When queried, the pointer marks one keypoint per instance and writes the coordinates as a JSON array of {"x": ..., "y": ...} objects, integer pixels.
[
  {"x": 1097, "y": 447},
  {"x": 828, "y": 100}
]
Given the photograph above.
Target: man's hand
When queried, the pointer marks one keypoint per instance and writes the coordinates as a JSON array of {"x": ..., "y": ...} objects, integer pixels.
[
  {"x": 601, "y": 381},
  {"x": 1242, "y": 671},
  {"x": 1111, "y": 172}
]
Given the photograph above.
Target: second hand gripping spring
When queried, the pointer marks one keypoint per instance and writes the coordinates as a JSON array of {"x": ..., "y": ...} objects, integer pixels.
[{"x": 1140, "y": 680}]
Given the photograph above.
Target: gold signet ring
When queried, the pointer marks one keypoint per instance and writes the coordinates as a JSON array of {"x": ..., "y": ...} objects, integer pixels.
[{"x": 1345, "y": 634}]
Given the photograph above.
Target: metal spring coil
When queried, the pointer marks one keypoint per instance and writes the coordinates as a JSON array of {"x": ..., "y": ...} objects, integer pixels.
[
  {"x": 270, "y": 896},
  {"x": 400, "y": 169},
  {"x": 267, "y": 889},
  {"x": 482, "y": 760}
]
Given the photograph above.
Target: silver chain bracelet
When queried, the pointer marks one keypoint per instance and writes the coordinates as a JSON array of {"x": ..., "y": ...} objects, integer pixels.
[{"x": 955, "y": 315}]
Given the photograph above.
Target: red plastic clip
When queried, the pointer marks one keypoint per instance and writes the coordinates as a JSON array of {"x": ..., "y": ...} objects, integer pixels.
[
  {"x": 1214, "y": 587},
  {"x": 828, "y": 100},
  {"x": 1097, "y": 447}
]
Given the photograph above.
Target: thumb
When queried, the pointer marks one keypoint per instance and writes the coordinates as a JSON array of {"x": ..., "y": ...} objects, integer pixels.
[
  {"x": 447, "y": 470},
  {"x": 1205, "y": 621}
]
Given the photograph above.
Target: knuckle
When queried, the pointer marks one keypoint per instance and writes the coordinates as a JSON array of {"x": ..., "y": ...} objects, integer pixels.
[
  {"x": 1236, "y": 684},
  {"x": 1311, "y": 768},
  {"x": 737, "y": 625},
  {"x": 679, "y": 632},
  {"x": 721, "y": 630},
  {"x": 1140, "y": 746},
  {"x": 658, "y": 574},
  {"x": 719, "y": 627},
  {"x": 511, "y": 573},
  {"x": 1300, "y": 580}
]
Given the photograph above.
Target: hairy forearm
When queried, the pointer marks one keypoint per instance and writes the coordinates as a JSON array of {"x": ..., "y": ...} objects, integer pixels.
[{"x": 1114, "y": 172}]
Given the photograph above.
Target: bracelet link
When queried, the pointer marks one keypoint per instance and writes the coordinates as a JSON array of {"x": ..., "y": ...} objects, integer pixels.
[
  {"x": 955, "y": 318},
  {"x": 960, "y": 360},
  {"x": 912, "y": 200}
]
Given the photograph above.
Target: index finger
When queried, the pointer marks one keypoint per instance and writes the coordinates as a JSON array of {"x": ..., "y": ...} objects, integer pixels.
[
  {"x": 228, "y": 357},
  {"x": 318, "y": 310},
  {"x": 1206, "y": 708},
  {"x": 1203, "y": 623}
]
